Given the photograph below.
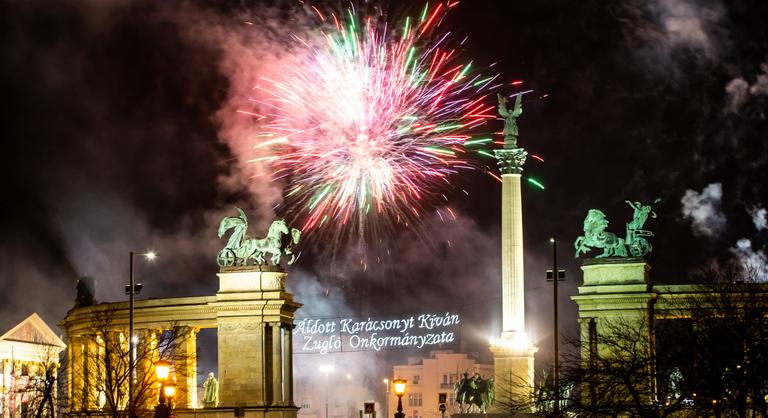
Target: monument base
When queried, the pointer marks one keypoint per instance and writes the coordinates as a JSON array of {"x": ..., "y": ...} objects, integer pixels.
[
  {"x": 246, "y": 412},
  {"x": 255, "y": 358},
  {"x": 513, "y": 374}
]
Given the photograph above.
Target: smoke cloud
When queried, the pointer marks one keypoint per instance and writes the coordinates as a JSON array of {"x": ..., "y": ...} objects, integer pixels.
[
  {"x": 740, "y": 92},
  {"x": 754, "y": 263},
  {"x": 704, "y": 211},
  {"x": 759, "y": 218},
  {"x": 687, "y": 23},
  {"x": 670, "y": 35}
]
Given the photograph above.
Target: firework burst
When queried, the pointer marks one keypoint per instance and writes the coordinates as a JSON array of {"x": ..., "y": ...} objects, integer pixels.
[{"x": 366, "y": 124}]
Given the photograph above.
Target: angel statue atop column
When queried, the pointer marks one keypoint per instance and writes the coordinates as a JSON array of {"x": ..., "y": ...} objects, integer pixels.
[{"x": 510, "y": 119}]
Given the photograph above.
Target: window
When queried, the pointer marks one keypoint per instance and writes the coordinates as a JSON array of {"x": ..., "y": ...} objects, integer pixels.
[
  {"x": 414, "y": 399},
  {"x": 445, "y": 378},
  {"x": 416, "y": 414},
  {"x": 416, "y": 379}
]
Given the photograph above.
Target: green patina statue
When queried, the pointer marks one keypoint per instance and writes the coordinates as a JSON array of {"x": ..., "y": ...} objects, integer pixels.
[
  {"x": 474, "y": 392},
  {"x": 510, "y": 119},
  {"x": 240, "y": 247},
  {"x": 596, "y": 236},
  {"x": 211, "y": 391}
]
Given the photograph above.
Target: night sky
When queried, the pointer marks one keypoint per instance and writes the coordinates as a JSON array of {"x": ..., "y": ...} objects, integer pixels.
[{"x": 117, "y": 135}]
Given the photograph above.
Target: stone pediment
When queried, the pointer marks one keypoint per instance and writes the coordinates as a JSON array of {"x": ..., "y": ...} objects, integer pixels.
[{"x": 33, "y": 330}]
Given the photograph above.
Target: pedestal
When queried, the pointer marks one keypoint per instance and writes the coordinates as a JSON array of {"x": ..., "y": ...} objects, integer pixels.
[
  {"x": 255, "y": 318},
  {"x": 513, "y": 375}
]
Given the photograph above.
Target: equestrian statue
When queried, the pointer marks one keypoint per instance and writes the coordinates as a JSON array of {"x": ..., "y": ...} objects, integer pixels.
[
  {"x": 596, "y": 236},
  {"x": 474, "y": 392},
  {"x": 241, "y": 247}
]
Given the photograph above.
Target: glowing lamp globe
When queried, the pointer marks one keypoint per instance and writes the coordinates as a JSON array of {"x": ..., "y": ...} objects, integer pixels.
[
  {"x": 169, "y": 391},
  {"x": 399, "y": 385},
  {"x": 162, "y": 369}
]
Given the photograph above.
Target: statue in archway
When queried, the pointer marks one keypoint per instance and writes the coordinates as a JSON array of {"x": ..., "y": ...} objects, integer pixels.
[{"x": 211, "y": 392}]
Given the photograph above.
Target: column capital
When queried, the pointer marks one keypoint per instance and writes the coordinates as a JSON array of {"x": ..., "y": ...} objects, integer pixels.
[{"x": 511, "y": 161}]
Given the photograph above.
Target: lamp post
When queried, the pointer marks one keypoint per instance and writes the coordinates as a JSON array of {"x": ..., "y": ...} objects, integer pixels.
[
  {"x": 555, "y": 275},
  {"x": 326, "y": 369},
  {"x": 169, "y": 391},
  {"x": 133, "y": 289},
  {"x": 386, "y": 398},
  {"x": 399, "y": 385},
  {"x": 162, "y": 371}
]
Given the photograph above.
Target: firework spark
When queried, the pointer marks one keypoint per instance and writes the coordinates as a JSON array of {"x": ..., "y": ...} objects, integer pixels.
[{"x": 366, "y": 124}]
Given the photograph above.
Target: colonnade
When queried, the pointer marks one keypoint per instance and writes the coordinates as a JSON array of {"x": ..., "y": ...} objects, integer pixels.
[{"x": 253, "y": 315}]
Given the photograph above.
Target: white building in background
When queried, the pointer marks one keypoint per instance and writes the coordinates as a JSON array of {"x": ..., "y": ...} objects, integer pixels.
[
  {"x": 428, "y": 377},
  {"x": 29, "y": 354}
]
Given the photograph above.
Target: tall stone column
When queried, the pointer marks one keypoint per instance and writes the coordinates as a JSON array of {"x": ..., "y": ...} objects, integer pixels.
[
  {"x": 92, "y": 373},
  {"x": 6, "y": 387},
  {"x": 288, "y": 365},
  {"x": 513, "y": 353},
  {"x": 188, "y": 355},
  {"x": 277, "y": 364}
]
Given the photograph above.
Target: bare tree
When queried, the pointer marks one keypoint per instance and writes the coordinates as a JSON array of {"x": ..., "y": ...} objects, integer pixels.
[
  {"x": 101, "y": 373},
  {"x": 617, "y": 375},
  {"x": 706, "y": 354},
  {"x": 37, "y": 384},
  {"x": 721, "y": 344}
]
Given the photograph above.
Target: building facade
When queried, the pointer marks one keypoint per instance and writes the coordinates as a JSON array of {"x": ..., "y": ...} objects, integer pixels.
[
  {"x": 29, "y": 364},
  {"x": 253, "y": 315},
  {"x": 428, "y": 377},
  {"x": 617, "y": 294}
]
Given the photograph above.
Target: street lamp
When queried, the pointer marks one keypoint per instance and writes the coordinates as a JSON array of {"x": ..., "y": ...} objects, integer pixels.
[
  {"x": 133, "y": 289},
  {"x": 386, "y": 398},
  {"x": 326, "y": 369},
  {"x": 169, "y": 391},
  {"x": 162, "y": 371},
  {"x": 555, "y": 275},
  {"x": 399, "y": 385}
]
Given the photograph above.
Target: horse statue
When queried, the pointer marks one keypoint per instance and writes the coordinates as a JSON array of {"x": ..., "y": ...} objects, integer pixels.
[
  {"x": 484, "y": 395},
  {"x": 464, "y": 389},
  {"x": 613, "y": 246},
  {"x": 474, "y": 392},
  {"x": 241, "y": 247},
  {"x": 595, "y": 236}
]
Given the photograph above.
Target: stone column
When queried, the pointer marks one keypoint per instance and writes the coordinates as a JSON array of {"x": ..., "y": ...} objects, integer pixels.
[
  {"x": 288, "y": 364},
  {"x": 513, "y": 353},
  {"x": 512, "y": 273},
  {"x": 69, "y": 371},
  {"x": 146, "y": 356},
  {"x": 75, "y": 373},
  {"x": 187, "y": 352},
  {"x": 277, "y": 364},
  {"x": 6, "y": 387},
  {"x": 91, "y": 373}
]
